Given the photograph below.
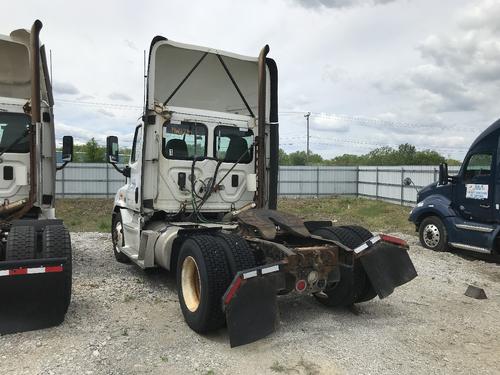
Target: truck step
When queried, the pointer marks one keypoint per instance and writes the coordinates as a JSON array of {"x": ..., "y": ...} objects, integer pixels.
[
  {"x": 475, "y": 227},
  {"x": 477, "y": 249}
]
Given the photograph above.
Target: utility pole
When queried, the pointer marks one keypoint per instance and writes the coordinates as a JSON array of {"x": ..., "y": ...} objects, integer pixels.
[{"x": 307, "y": 115}]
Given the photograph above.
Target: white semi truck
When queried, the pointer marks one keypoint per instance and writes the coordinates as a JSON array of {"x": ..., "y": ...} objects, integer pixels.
[
  {"x": 201, "y": 196},
  {"x": 35, "y": 248}
]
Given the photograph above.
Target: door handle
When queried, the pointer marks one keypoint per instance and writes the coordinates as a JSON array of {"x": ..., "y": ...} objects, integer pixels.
[{"x": 484, "y": 205}]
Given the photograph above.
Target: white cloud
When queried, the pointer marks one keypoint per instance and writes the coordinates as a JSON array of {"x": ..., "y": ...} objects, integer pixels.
[
  {"x": 65, "y": 88},
  {"x": 433, "y": 64},
  {"x": 339, "y": 3},
  {"x": 120, "y": 96}
]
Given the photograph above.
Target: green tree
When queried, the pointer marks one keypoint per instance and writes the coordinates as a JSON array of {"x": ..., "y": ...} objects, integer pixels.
[
  {"x": 93, "y": 152},
  {"x": 405, "y": 154},
  {"x": 283, "y": 157}
]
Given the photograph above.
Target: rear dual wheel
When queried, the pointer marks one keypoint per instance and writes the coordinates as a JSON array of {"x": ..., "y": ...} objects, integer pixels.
[
  {"x": 20, "y": 243},
  {"x": 354, "y": 285},
  {"x": 56, "y": 243},
  {"x": 206, "y": 266}
]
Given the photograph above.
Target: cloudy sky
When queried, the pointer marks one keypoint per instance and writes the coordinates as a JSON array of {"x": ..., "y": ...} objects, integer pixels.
[{"x": 371, "y": 72}]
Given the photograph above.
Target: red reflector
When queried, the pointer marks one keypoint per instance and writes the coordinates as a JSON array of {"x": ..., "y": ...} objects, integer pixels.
[
  {"x": 54, "y": 269},
  {"x": 234, "y": 287},
  {"x": 300, "y": 286},
  {"x": 18, "y": 271},
  {"x": 393, "y": 240}
]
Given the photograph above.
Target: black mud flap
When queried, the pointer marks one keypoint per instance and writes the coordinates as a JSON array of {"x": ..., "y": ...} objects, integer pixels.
[
  {"x": 252, "y": 312},
  {"x": 34, "y": 294},
  {"x": 387, "y": 266}
]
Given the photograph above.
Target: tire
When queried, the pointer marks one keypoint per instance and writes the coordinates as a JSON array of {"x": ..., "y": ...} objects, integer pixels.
[
  {"x": 203, "y": 277},
  {"x": 117, "y": 236},
  {"x": 349, "y": 289},
  {"x": 21, "y": 243},
  {"x": 432, "y": 234},
  {"x": 239, "y": 256},
  {"x": 363, "y": 234},
  {"x": 57, "y": 244}
]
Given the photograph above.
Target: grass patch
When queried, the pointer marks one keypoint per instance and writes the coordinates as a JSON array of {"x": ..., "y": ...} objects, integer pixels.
[
  {"x": 94, "y": 215},
  {"x": 372, "y": 214},
  {"x": 277, "y": 367},
  {"x": 128, "y": 298},
  {"x": 85, "y": 215}
]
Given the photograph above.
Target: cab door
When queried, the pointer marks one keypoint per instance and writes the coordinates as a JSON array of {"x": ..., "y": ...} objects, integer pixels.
[
  {"x": 474, "y": 191},
  {"x": 133, "y": 193}
]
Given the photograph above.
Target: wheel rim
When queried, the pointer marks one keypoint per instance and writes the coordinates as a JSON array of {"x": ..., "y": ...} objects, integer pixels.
[
  {"x": 431, "y": 235},
  {"x": 118, "y": 236},
  {"x": 191, "y": 284}
]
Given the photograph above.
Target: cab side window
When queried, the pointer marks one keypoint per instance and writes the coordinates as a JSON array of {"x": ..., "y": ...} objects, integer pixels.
[
  {"x": 478, "y": 165},
  {"x": 136, "y": 145}
]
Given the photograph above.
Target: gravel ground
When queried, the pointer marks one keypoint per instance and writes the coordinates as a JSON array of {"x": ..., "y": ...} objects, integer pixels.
[{"x": 123, "y": 320}]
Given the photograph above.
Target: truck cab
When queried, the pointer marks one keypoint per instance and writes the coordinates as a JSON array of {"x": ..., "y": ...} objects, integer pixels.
[{"x": 463, "y": 211}]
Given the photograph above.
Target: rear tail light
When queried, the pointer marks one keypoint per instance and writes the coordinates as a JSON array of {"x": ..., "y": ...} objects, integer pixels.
[
  {"x": 394, "y": 240},
  {"x": 300, "y": 286}
]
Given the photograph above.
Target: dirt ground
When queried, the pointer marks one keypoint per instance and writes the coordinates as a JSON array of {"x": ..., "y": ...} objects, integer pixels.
[{"x": 123, "y": 320}]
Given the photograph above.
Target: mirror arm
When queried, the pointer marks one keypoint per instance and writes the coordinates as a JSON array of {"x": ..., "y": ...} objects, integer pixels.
[
  {"x": 62, "y": 166},
  {"x": 125, "y": 171}
]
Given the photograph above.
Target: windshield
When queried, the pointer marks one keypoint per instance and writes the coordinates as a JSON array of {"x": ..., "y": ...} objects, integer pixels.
[{"x": 12, "y": 126}]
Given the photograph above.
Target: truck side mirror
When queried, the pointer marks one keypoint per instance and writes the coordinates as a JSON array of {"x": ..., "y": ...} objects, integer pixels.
[
  {"x": 443, "y": 174},
  {"x": 112, "y": 149},
  {"x": 67, "y": 149}
]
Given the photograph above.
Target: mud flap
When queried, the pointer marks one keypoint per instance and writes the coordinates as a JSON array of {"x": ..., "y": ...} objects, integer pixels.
[
  {"x": 252, "y": 312},
  {"x": 387, "y": 266},
  {"x": 34, "y": 294}
]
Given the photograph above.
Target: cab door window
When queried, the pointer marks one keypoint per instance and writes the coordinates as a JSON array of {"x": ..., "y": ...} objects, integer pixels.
[{"x": 479, "y": 165}]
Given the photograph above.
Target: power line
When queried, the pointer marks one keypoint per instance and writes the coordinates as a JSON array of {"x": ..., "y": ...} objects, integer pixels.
[
  {"x": 363, "y": 120},
  {"x": 362, "y": 143},
  {"x": 359, "y": 120}
]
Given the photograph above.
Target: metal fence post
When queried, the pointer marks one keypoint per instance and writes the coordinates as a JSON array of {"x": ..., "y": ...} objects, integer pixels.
[
  {"x": 62, "y": 182},
  {"x": 279, "y": 182},
  {"x": 402, "y": 186},
  {"x": 107, "y": 180},
  {"x": 357, "y": 181},
  {"x": 376, "y": 184},
  {"x": 317, "y": 182},
  {"x": 435, "y": 175}
]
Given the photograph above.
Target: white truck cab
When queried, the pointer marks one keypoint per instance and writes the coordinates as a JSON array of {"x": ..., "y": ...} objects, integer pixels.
[{"x": 200, "y": 200}]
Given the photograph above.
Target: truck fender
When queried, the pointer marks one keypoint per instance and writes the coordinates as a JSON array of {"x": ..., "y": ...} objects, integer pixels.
[{"x": 433, "y": 205}]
